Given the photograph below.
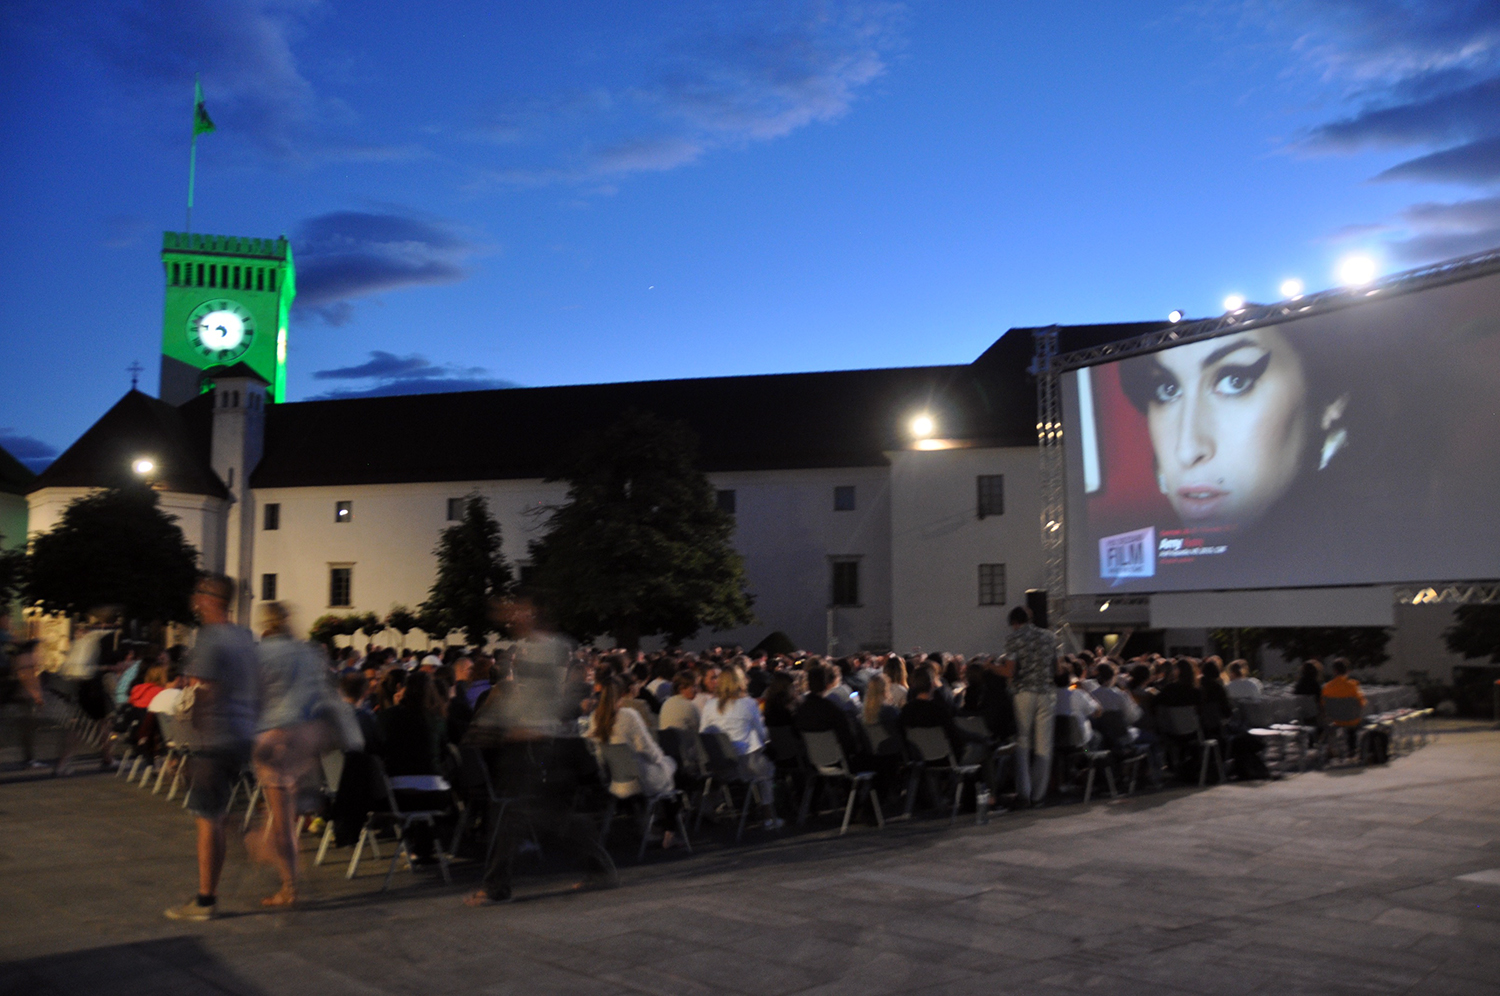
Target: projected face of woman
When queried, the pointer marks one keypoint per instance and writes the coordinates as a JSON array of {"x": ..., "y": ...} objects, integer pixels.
[{"x": 1228, "y": 420}]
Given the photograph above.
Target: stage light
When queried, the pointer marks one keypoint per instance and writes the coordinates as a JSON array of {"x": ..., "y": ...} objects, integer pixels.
[
  {"x": 1234, "y": 302},
  {"x": 143, "y": 466},
  {"x": 1356, "y": 271},
  {"x": 1291, "y": 288},
  {"x": 1175, "y": 315},
  {"x": 923, "y": 426},
  {"x": 1105, "y": 606}
]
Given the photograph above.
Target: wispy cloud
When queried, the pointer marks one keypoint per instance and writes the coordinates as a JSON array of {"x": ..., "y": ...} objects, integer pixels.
[
  {"x": 253, "y": 81},
  {"x": 1439, "y": 231},
  {"x": 1421, "y": 76},
  {"x": 387, "y": 374},
  {"x": 344, "y": 255},
  {"x": 34, "y": 453},
  {"x": 743, "y": 74}
]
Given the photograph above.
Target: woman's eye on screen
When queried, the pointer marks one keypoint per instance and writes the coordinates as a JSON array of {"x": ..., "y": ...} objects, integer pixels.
[
  {"x": 1166, "y": 391},
  {"x": 1238, "y": 380}
]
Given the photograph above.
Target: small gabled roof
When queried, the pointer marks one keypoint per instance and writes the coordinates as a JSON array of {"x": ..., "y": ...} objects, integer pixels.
[
  {"x": 240, "y": 369},
  {"x": 140, "y": 426},
  {"x": 15, "y": 477}
]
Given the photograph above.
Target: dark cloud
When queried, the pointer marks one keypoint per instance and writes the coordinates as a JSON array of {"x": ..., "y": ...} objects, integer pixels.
[
  {"x": 244, "y": 49},
  {"x": 1422, "y": 76},
  {"x": 743, "y": 74},
  {"x": 34, "y": 453},
  {"x": 1475, "y": 163},
  {"x": 414, "y": 374},
  {"x": 1434, "y": 232},
  {"x": 345, "y": 255}
]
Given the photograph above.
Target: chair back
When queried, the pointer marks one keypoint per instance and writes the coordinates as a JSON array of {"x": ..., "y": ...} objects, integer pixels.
[
  {"x": 1178, "y": 721},
  {"x": 722, "y": 759},
  {"x": 973, "y": 724},
  {"x": 882, "y": 741},
  {"x": 175, "y": 729},
  {"x": 1112, "y": 727},
  {"x": 382, "y": 783},
  {"x": 333, "y": 770},
  {"x": 623, "y": 766},
  {"x": 1069, "y": 735},
  {"x": 1307, "y": 707},
  {"x": 824, "y": 752},
  {"x": 786, "y": 745},
  {"x": 1343, "y": 710},
  {"x": 931, "y": 743},
  {"x": 669, "y": 738}
]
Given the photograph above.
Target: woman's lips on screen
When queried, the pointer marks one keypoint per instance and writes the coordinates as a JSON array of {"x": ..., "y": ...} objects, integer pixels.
[{"x": 1200, "y": 501}]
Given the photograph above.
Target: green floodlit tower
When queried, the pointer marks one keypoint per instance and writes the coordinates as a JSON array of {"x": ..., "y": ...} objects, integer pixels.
[{"x": 227, "y": 303}]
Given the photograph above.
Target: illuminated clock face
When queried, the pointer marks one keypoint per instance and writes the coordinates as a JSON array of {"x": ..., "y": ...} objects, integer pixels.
[{"x": 221, "y": 330}]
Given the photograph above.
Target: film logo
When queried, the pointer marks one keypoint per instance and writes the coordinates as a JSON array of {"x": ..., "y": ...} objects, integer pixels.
[{"x": 1128, "y": 555}]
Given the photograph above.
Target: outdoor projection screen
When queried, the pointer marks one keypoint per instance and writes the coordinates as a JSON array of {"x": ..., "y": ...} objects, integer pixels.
[{"x": 1353, "y": 446}]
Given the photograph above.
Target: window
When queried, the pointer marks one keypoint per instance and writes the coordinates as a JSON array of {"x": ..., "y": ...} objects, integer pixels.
[
  {"x": 268, "y": 587},
  {"x": 991, "y": 494},
  {"x": 200, "y": 274},
  {"x": 845, "y": 583},
  {"x": 843, "y": 498},
  {"x": 273, "y": 515},
  {"x": 270, "y": 280},
  {"x": 456, "y": 509},
  {"x": 343, "y": 511},
  {"x": 991, "y": 584},
  {"x": 235, "y": 277},
  {"x": 725, "y": 500},
  {"x": 176, "y": 273},
  {"x": 340, "y": 587},
  {"x": 260, "y": 278}
]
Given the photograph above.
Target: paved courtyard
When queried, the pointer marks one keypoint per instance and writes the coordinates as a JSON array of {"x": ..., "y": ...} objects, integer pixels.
[{"x": 1364, "y": 881}]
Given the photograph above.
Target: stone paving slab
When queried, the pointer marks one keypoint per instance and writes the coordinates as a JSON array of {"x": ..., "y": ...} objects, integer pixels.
[{"x": 1380, "y": 880}]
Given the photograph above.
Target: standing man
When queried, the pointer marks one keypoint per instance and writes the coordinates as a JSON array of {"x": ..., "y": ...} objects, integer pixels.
[
  {"x": 223, "y": 671},
  {"x": 1031, "y": 653}
]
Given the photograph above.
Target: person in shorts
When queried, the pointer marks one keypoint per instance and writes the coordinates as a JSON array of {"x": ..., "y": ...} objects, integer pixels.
[{"x": 223, "y": 672}]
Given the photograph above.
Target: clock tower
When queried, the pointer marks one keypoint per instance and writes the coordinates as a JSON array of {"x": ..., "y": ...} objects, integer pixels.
[{"x": 227, "y": 303}]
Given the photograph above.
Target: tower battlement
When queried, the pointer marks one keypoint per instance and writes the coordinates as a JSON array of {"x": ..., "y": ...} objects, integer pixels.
[{"x": 226, "y": 245}]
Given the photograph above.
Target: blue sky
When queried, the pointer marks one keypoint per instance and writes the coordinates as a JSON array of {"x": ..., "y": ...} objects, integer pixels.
[{"x": 489, "y": 193}]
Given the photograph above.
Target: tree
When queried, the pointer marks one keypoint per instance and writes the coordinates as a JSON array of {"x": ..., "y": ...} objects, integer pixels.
[
  {"x": 402, "y": 620},
  {"x": 324, "y": 629},
  {"x": 1475, "y": 632},
  {"x": 13, "y": 565},
  {"x": 115, "y": 547},
  {"x": 640, "y": 547},
  {"x": 1362, "y": 646},
  {"x": 472, "y": 573}
]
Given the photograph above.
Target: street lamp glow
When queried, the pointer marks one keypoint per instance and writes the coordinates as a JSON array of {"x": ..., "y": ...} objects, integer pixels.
[
  {"x": 1234, "y": 302},
  {"x": 923, "y": 426},
  {"x": 143, "y": 466},
  {"x": 1291, "y": 288},
  {"x": 1356, "y": 271}
]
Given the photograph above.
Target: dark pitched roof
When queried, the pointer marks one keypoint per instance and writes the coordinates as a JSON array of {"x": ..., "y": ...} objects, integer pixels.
[
  {"x": 240, "y": 369},
  {"x": 846, "y": 418},
  {"x": 138, "y": 425},
  {"x": 15, "y": 477}
]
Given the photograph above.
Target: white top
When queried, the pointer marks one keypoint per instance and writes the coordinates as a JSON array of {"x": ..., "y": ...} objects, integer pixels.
[
  {"x": 1077, "y": 702},
  {"x": 1111, "y": 699},
  {"x": 165, "y": 701},
  {"x": 895, "y": 695},
  {"x": 1244, "y": 688},
  {"x": 657, "y": 769},
  {"x": 740, "y": 720}
]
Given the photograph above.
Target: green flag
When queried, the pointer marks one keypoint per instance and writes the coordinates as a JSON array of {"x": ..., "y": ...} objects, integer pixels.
[{"x": 202, "y": 123}]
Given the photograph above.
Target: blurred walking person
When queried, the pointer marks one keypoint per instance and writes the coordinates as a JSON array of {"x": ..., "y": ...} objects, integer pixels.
[
  {"x": 223, "y": 672},
  {"x": 290, "y": 737}
]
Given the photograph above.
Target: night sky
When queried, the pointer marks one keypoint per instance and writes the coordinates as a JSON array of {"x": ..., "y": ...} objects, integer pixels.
[{"x": 492, "y": 193}]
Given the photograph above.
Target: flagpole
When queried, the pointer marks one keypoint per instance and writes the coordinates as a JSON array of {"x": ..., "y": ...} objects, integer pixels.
[{"x": 192, "y": 162}]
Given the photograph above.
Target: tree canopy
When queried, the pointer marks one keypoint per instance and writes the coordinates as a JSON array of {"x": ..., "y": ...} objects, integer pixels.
[
  {"x": 1362, "y": 646},
  {"x": 1475, "y": 632},
  {"x": 115, "y": 547},
  {"x": 472, "y": 573},
  {"x": 639, "y": 548}
]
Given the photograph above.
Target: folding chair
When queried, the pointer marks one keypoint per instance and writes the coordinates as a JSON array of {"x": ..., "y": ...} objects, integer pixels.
[
  {"x": 1122, "y": 750},
  {"x": 1346, "y": 710},
  {"x": 1181, "y": 724},
  {"x": 725, "y": 769},
  {"x": 988, "y": 753},
  {"x": 1075, "y": 760},
  {"x": 828, "y": 762},
  {"x": 401, "y": 821},
  {"x": 621, "y": 763},
  {"x": 931, "y": 745},
  {"x": 175, "y": 735}
]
